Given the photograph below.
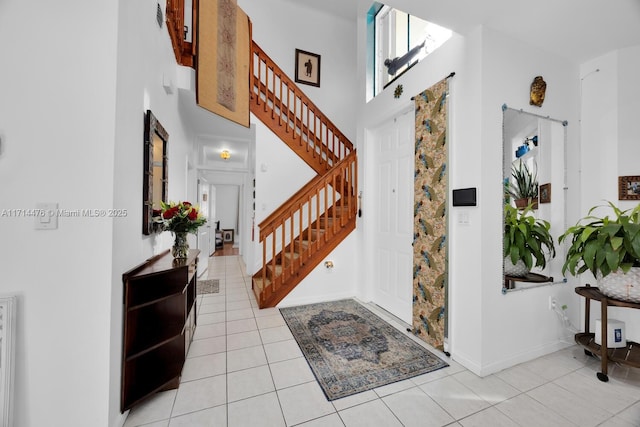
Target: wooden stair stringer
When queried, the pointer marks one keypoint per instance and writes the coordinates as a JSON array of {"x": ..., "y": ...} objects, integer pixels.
[
  {"x": 316, "y": 161},
  {"x": 271, "y": 299}
]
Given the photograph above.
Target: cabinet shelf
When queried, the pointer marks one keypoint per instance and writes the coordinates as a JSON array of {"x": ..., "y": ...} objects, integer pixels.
[
  {"x": 628, "y": 355},
  {"x": 158, "y": 323},
  {"x": 156, "y": 301},
  {"x": 151, "y": 338},
  {"x": 153, "y": 371}
]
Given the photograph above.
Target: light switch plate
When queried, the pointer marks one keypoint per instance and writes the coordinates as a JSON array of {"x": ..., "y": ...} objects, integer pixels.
[{"x": 46, "y": 217}]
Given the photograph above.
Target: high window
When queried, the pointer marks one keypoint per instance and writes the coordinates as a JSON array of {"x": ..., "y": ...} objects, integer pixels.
[{"x": 396, "y": 42}]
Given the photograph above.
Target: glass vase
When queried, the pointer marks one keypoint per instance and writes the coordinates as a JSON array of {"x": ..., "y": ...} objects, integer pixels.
[{"x": 180, "y": 247}]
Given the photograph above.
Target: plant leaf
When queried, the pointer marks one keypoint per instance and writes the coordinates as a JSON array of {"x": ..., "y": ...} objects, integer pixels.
[
  {"x": 612, "y": 259},
  {"x": 616, "y": 242},
  {"x": 590, "y": 250},
  {"x": 586, "y": 233}
]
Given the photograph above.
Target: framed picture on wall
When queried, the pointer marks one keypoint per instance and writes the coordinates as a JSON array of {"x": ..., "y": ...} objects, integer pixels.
[
  {"x": 227, "y": 236},
  {"x": 307, "y": 68},
  {"x": 545, "y": 193},
  {"x": 629, "y": 188}
]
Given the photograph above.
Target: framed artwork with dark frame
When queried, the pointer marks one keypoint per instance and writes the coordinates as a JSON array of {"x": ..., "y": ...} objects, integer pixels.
[
  {"x": 545, "y": 193},
  {"x": 155, "y": 184},
  {"x": 307, "y": 68},
  {"x": 227, "y": 236},
  {"x": 629, "y": 188}
]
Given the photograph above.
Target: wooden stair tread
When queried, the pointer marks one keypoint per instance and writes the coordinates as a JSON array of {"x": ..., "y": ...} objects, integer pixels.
[
  {"x": 275, "y": 270},
  {"x": 294, "y": 255},
  {"x": 261, "y": 284},
  {"x": 268, "y": 296}
]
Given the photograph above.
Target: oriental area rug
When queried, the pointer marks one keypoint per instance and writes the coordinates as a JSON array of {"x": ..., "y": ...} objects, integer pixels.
[{"x": 351, "y": 350}]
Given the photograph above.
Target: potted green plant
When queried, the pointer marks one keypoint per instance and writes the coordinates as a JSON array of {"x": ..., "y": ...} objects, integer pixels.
[
  {"x": 609, "y": 247},
  {"x": 524, "y": 186},
  {"x": 525, "y": 238}
]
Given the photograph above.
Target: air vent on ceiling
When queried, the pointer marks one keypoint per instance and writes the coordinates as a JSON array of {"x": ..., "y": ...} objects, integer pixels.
[{"x": 159, "y": 15}]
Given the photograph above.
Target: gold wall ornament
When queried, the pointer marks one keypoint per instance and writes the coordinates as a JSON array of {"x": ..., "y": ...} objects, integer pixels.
[
  {"x": 538, "y": 88},
  {"x": 398, "y": 91}
]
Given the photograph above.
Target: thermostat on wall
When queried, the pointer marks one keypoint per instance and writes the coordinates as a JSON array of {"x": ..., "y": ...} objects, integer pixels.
[{"x": 464, "y": 197}]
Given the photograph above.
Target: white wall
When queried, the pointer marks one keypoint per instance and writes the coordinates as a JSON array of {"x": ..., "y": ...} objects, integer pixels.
[
  {"x": 488, "y": 331},
  {"x": 145, "y": 55},
  {"x": 280, "y": 173},
  {"x": 72, "y": 114},
  {"x": 280, "y": 27},
  {"x": 227, "y": 198},
  {"x": 326, "y": 284},
  {"x": 518, "y": 326},
  {"x": 461, "y": 55},
  {"x": 57, "y": 124},
  {"x": 609, "y": 147}
]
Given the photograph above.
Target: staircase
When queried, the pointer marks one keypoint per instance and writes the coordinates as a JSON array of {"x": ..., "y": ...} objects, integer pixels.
[{"x": 307, "y": 227}]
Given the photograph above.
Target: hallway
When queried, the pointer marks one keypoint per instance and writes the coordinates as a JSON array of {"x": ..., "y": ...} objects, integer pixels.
[
  {"x": 227, "y": 250},
  {"x": 245, "y": 369}
]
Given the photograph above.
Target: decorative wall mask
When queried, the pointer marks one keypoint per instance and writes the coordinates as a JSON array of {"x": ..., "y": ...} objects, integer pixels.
[{"x": 538, "y": 88}]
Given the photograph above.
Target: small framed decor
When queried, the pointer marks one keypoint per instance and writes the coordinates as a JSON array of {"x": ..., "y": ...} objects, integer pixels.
[
  {"x": 629, "y": 188},
  {"x": 307, "y": 68},
  {"x": 227, "y": 236},
  {"x": 545, "y": 193}
]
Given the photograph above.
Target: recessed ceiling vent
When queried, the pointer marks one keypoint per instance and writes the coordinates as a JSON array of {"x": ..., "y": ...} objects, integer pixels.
[{"x": 159, "y": 15}]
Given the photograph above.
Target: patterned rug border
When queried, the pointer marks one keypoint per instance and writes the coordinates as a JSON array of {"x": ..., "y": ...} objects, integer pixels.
[{"x": 336, "y": 385}]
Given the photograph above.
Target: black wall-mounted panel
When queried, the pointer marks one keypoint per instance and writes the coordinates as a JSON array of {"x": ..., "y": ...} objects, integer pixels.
[{"x": 464, "y": 197}]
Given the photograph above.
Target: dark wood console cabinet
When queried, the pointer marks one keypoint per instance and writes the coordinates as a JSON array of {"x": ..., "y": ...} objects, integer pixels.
[
  {"x": 159, "y": 318},
  {"x": 629, "y": 355}
]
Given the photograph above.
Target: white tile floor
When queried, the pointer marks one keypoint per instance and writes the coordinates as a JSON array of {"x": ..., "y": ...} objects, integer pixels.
[{"x": 245, "y": 369}]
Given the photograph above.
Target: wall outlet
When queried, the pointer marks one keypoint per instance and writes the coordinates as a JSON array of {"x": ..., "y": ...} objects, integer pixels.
[{"x": 552, "y": 303}]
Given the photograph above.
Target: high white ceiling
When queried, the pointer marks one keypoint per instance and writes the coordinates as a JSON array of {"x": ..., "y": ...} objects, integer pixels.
[{"x": 577, "y": 30}]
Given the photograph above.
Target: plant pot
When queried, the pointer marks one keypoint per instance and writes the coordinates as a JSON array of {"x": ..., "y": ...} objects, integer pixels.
[
  {"x": 523, "y": 203},
  {"x": 622, "y": 286},
  {"x": 518, "y": 269}
]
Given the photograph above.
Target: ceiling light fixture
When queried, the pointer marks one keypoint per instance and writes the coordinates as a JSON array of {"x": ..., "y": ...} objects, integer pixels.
[{"x": 225, "y": 155}]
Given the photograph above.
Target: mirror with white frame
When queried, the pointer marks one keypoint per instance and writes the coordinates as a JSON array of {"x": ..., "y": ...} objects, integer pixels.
[{"x": 534, "y": 163}]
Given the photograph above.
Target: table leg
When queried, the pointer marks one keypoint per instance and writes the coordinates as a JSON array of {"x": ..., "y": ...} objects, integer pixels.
[{"x": 602, "y": 375}]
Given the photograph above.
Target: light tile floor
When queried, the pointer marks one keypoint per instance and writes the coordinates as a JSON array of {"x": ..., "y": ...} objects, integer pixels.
[{"x": 245, "y": 369}]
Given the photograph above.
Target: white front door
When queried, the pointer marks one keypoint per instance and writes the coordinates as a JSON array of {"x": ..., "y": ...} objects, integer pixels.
[{"x": 393, "y": 251}]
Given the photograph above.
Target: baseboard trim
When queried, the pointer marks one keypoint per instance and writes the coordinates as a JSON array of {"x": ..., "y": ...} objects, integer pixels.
[{"x": 511, "y": 361}]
